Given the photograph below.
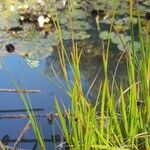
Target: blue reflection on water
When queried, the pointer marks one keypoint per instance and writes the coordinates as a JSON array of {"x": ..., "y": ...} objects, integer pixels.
[{"x": 27, "y": 78}]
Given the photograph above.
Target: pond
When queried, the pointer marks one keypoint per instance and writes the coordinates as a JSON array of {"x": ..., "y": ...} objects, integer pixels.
[{"x": 36, "y": 57}]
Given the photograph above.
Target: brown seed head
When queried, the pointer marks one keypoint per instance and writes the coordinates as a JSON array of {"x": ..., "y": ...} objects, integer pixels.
[
  {"x": 147, "y": 16},
  {"x": 10, "y": 48}
]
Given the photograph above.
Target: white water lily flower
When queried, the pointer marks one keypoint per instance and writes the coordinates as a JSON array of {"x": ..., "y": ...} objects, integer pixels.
[
  {"x": 20, "y": 7},
  {"x": 25, "y": 6},
  {"x": 41, "y": 2},
  {"x": 64, "y": 2},
  {"x": 12, "y": 8},
  {"x": 61, "y": 4},
  {"x": 42, "y": 20}
]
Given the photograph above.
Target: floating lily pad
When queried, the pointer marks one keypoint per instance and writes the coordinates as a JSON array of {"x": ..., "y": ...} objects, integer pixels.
[
  {"x": 104, "y": 35},
  {"x": 32, "y": 63},
  {"x": 119, "y": 38},
  {"x": 79, "y": 14},
  {"x": 79, "y": 25}
]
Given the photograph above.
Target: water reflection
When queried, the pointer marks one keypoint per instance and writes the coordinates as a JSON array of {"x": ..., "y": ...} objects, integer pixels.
[
  {"x": 91, "y": 68},
  {"x": 11, "y": 104}
]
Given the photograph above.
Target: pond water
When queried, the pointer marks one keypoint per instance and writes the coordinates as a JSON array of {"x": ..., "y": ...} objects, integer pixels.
[
  {"x": 27, "y": 78},
  {"x": 31, "y": 78},
  {"x": 36, "y": 53}
]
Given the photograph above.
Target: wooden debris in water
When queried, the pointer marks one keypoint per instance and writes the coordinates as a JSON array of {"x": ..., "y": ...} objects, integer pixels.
[
  {"x": 3, "y": 147},
  {"x": 30, "y": 140},
  {"x": 20, "y": 91},
  {"x": 22, "y": 134},
  {"x": 62, "y": 142},
  {"x": 20, "y": 110},
  {"x": 23, "y": 116}
]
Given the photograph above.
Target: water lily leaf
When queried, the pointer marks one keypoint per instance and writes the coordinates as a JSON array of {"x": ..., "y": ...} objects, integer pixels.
[
  {"x": 104, "y": 35},
  {"x": 32, "y": 63},
  {"x": 121, "y": 47},
  {"x": 81, "y": 35},
  {"x": 137, "y": 46},
  {"x": 40, "y": 53},
  {"x": 79, "y": 25},
  {"x": 52, "y": 39},
  {"x": 116, "y": 39},
  {"x": 62, "y": 19},
  {"x": 79, "y": 14},
  {"x": 119, "y": 21},
  {"x": 66, "y": 34},
  {"x": 120, "y": 38}
]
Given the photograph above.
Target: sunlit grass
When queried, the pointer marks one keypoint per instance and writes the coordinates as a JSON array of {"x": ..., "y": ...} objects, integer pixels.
[{"x": 125, "y": 127}]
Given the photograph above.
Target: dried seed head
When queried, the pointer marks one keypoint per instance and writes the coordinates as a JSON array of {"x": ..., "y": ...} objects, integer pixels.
[
  {"x": 10, "y": 48},
  {"x": 147, "y": 16},
  {"x": 94, "y": 12}
]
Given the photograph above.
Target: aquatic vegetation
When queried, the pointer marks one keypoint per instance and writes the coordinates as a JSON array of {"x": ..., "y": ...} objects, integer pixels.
[
  {"x": 121, "y": 127},
  {"x": 123, "y": 42},
  {"x": 22, "y": 20}
]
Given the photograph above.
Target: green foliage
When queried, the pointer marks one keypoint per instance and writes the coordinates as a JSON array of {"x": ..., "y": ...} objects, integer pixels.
[
  {"x": 104, "y": 125},
  {"x": 121, "y": 127}
]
